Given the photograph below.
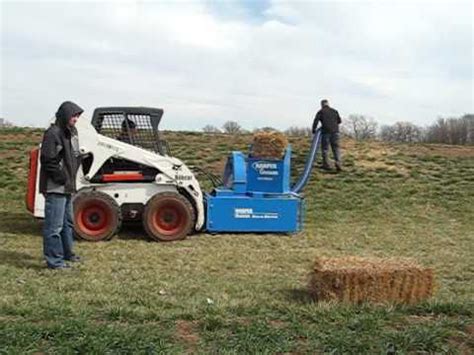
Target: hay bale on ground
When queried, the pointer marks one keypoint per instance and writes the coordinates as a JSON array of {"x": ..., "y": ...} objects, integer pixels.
[
  {"x": 268, "y": 145},
  {"x": 356, "y": 280}
]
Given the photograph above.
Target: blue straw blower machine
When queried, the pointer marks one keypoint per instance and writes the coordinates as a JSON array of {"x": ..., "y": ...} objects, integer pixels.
[{"x": 256, "y": 195}]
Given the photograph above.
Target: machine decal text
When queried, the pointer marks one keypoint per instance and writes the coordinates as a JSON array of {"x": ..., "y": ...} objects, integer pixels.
[
  {"x": 248, "y": 213},
  {"x": 265, "y": 168}
]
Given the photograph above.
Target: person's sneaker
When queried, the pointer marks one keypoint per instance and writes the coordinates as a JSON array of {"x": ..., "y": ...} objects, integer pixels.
[
  {"x": 74, "y": 259},
  {"x": 338, "y": 168}
]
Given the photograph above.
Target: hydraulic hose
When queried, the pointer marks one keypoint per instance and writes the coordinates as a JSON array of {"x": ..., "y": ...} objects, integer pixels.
[{"x": 309, "y": 163}]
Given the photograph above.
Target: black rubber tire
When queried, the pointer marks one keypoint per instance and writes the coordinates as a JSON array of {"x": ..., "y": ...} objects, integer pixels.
[
  {"x": 97, "y": 216},
  {"x": 168, "y": 216}
]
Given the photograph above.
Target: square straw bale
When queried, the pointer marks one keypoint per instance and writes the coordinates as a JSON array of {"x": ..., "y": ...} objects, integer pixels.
[
  {"x": 268, "y": 145},
  {"x": 377, "y": 280}
]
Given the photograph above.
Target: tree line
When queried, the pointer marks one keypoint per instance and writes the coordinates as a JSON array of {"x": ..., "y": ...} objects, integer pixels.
[{"x": 454, "y": 130}]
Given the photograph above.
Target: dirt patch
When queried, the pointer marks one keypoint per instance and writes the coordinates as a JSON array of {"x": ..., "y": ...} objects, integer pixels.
[
  {"x": 278, "y": 324},
  {"x": 20, "y": 137},
  {"x": 420, "y": 319},
  {"x": 463, "y": 343},
  {"x": 243, "y": 321},
  {"x": 381, "y": 165},
  {"x": 186, "y": 332},
  {"x": 5, "y": 154},
  {"x": 381, "y": 149},
  {"x": 449, "y": 151}
]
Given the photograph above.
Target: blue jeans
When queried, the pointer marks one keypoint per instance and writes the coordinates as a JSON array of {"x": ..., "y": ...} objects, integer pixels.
[
  {"x": 57, "y": 230},
  {"x": 331, "y": 139}
]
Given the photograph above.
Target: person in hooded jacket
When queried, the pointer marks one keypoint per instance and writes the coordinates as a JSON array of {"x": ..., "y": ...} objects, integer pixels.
[{"x": 59, "y": 163}]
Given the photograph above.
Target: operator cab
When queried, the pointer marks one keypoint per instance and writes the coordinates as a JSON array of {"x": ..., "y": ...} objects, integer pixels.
[{"x": 137, "y": 126}]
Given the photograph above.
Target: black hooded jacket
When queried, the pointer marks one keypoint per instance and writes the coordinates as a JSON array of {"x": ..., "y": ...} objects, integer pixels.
[{"x": 58, "y": 161}]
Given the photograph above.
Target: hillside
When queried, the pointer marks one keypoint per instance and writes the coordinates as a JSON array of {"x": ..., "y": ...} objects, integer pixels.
[{"x": 245, "y": 293}]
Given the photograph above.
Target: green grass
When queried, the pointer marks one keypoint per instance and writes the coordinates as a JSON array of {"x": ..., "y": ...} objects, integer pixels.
[{"x": 135, "y": 296}]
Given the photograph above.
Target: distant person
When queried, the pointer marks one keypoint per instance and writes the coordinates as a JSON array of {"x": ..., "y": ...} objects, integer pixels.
[
  {"x": 59, "y": 163},
  {"x": 127, "y": 134},
  {"x": 330, "y": 121}
]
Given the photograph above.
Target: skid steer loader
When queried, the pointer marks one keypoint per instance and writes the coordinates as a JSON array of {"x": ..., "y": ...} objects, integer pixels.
[{"x": 127, "y": 173}]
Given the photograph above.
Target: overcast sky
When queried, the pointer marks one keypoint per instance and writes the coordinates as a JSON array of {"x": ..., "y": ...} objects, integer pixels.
[{"x": 261, "y": 63}]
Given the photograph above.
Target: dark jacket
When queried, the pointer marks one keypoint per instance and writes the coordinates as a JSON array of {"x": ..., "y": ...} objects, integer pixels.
[
  {"x": 58, "y": 161},
  {"x": 329, "y": 118}
]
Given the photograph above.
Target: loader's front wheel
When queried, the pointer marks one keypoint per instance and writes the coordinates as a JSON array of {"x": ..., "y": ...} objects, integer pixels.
[
  {"x": 96, "y": 216},
  {"x": 168, "y": 216}
]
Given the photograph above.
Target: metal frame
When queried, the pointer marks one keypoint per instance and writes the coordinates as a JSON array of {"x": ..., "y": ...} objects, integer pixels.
[{"x": 109, "y": 121}]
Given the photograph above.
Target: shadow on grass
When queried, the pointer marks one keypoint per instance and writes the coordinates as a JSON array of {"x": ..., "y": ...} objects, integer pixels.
[
  {"x": 20, "y": 260},
  {"x": 19, "y": 223},
  {"x": 330, "y": 171},
  {"x": 132, "y": 231},
  {"x": 297, "y": 295}
]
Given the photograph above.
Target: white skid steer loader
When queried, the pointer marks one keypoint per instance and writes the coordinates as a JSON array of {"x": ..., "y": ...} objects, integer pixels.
[{"x": 127, "y": 174}]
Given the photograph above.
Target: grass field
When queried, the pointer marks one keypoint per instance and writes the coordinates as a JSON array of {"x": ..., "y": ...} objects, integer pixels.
[{"x": 246, "y": 293}]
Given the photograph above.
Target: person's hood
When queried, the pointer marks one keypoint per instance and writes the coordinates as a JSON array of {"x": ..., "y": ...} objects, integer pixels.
[{"x": 65, "y": 112}]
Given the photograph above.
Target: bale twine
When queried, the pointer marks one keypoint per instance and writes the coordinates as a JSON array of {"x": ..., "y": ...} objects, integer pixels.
[
  {"x": 268, "y": 145},
  {"x": 356, "y": 280}
]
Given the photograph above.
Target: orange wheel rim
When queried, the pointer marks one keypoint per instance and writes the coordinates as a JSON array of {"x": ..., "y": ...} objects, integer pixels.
[
  {"x": 94, "y": 218},
  {"x": 169, "y": 219}
]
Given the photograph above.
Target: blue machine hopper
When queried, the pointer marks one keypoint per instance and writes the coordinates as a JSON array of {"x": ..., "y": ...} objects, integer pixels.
[{"x": 256, "y": 195}]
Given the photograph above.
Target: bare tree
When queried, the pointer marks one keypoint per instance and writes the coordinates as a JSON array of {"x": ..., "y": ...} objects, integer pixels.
[
  {"x": 5, "y": 124},
  {"x": 460, "y": 129},
  {"x": 266, "y": 129},
  {"x": 401, "y": 132},
  {"x": 452, "y": 130},
  {"x": 438, "y": 132},
  {"x": 469, "y": 122},
  {"x": 231, "y": 127},
  {"x": 387, "y": 133},
  {"x": 298, "y": 131},
  {"x": 210, "y": 129},
  {"x": 359, "y": 127}
]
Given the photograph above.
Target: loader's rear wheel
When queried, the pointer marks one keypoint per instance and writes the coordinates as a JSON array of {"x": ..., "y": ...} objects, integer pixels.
[
  {"x": 96, "y": 216},
  {"x": 168, "y": 216}
]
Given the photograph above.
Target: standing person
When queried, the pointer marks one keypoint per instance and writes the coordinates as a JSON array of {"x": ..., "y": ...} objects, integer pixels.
[
  {"x": 59, "y": 163},
  {"x": 330, "y": 121}
]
